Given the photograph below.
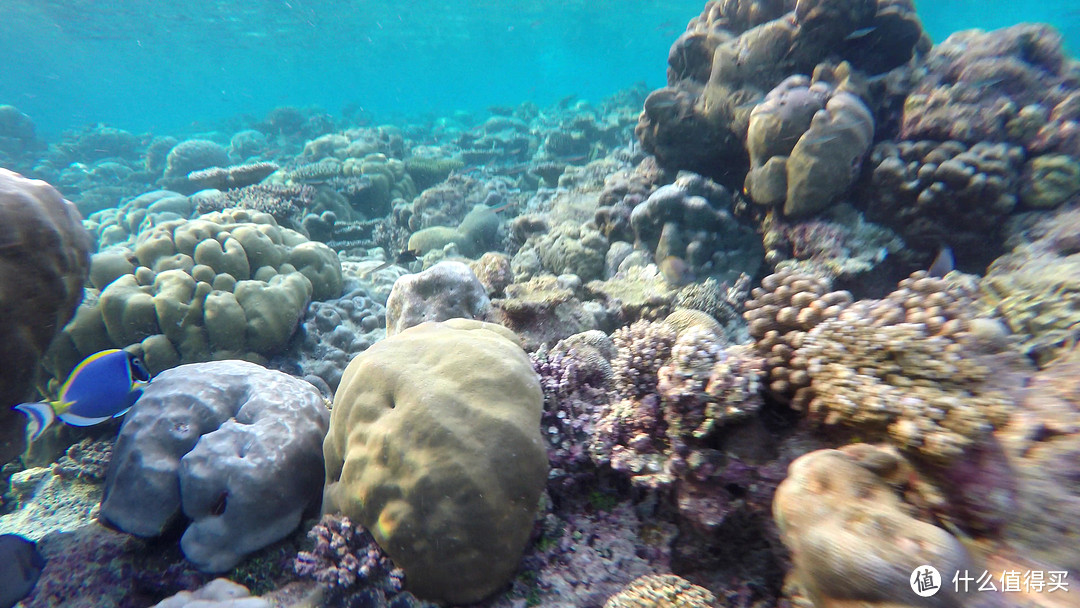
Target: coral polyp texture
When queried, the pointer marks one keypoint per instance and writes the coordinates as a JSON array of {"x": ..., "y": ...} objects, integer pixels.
[
  {"x": 916, "y": 368},
  {"x": 44, "y": 260},
  {"x": 853, "y": 538},
  {"x": 435, "y": 447},
  {"x": 344, "y": 555},
  {"x": 662, "y": 591},
  {"x": 229, "y": 284},
  {"x": 780, "y": 313}
]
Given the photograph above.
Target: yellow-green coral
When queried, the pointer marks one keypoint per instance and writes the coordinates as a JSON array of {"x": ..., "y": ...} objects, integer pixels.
[
  {"x": 662, "y": 591},
  {"x": 232, "y": 284},
  {"x": 435, "y": 447}
]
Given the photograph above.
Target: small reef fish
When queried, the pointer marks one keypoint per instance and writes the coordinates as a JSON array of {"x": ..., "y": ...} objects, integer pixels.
[
  {"x": 20, "y": 567},
  {"x": 860, "y": 33},
  {"x": 104, "y": 385},
  {"x": 406, "y": 256},
  {"x": 676, "y": 271},
  {"x": 943, "y": 264}
]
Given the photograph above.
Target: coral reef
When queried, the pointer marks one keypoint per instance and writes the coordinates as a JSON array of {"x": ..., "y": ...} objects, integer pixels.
[
  {"x": 44, "y": 260},
  {"x": 852, "y": 537},
  {"x": 229, "y": 445},
  {"x": 779, "y": 314},
  {"x": 915, "y": 368},
  {"x": 662, "y": 591},
  {"x": 945, "y": 194},
  {"x": 1034, "y": 287},
  {"x": 447, "y": 290},
  {"x": 229, "y": 284},
  {"x": 544, "y": 310},
  {"x": 403, "y": 454}
]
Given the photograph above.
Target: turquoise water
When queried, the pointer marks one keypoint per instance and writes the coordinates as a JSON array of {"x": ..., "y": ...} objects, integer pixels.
[{"x": 167, "y": 67}]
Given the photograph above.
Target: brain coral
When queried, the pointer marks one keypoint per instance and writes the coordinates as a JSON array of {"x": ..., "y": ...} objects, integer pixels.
[
  {"x": 852, "y": 539},
  {"x": 44, "y": 260},
  {"x": 227, "y": 285},
  {"x": 230, "y": 444},
  {"x": 435, "y": 447}
]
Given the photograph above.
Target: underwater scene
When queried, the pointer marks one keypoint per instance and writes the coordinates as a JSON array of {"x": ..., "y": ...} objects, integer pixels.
[{"x": 494, "y": 304}]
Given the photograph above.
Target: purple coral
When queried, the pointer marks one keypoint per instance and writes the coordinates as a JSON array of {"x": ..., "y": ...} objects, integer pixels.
[{"x": 344, "y": 555}]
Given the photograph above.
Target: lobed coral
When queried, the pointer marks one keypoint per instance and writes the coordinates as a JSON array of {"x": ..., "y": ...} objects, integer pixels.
[
  {"x": 853, "y": 538},
  {"x": 230, "y": 445},
  {"x": 779, "y": 314},
  {"x": 229, "y": 284}
]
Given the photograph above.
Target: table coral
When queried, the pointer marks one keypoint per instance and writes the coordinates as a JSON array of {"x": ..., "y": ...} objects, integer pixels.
[{"x": 435, "y": 447}]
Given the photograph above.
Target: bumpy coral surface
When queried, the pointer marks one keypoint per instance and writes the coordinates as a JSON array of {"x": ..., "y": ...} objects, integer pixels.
[
  {"x": 662, "y": 591},
  {"x": 914, "y": 368},
  {"x": 435, "y": 447},
  {"x": 230, "y": 284},
  {"x": 780, "y": 313},
  {"x": 231, "y": 446},
  {"x": 852, "y": 537},
  {"x": 806, "y": 142},
  {"x": 344, "y": 555},
  {"x": 1035, "y": 289},
  {"x": 945, "y": 194},
  {"x": 44, "y": 261},
  {"x": 447, "y": 290}
]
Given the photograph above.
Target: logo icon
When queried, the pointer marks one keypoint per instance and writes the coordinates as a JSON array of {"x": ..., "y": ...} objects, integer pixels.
[{"x": 925, "y": 581}]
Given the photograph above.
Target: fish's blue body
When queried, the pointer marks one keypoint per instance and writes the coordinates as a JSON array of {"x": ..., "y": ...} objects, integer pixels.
[{"x": 104, "y": 385}]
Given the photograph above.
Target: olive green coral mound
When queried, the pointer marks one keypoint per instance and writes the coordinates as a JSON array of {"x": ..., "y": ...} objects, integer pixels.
[
  {"x": 435, "y": 446},
  {"x": 228, "y": 285}
]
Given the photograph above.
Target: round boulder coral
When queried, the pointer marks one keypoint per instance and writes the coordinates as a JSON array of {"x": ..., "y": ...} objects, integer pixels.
[
  {"x": 852, "y": 538},
  {"x": 435, "y": 447},
  {"x": 44, "y": 260}
]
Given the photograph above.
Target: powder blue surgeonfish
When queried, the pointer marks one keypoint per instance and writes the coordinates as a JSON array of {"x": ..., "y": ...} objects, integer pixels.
[{"x": 105, "y": 385}]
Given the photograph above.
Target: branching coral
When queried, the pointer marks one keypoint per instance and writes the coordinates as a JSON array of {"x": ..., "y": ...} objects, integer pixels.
[{"x": 345, "y": 555}]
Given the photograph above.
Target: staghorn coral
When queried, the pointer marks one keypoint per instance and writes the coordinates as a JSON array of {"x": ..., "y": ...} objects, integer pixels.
[
  {"x": 662, "y": 591},
  {"x": 779, "y": 314},
  {"x": 945, "y": 194},
  {"x": 912, "y": 368},
  {"x": 345, "y": 555}
]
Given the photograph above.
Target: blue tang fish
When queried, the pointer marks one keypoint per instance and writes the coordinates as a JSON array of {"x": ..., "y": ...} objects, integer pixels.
[{"x": 105, "y": 385}]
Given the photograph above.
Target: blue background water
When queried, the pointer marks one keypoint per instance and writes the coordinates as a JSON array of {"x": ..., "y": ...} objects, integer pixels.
[{"x": 152, "y": 65}]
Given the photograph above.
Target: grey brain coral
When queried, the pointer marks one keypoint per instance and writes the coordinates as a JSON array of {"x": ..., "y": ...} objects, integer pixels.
[
  {"x": 230, "y": 445},
  {"x": 44, "y": 261}
]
